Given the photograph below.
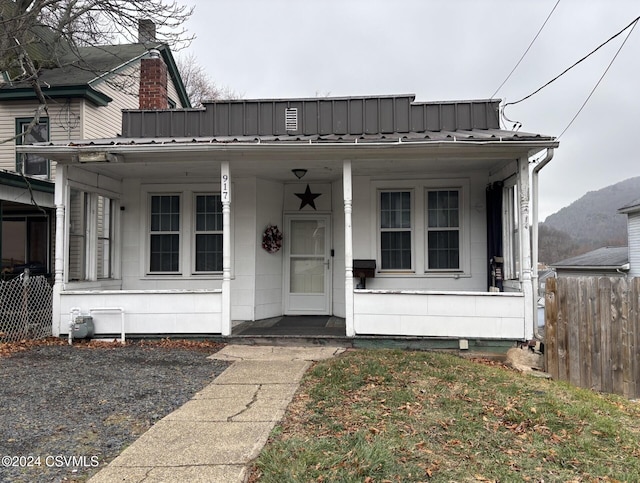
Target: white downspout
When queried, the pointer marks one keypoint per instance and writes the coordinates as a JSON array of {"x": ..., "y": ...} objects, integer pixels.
[{"x": 534, "y": 234}]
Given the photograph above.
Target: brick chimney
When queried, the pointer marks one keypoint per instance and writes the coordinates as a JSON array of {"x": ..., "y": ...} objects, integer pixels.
[{"x": 153, "y": 82}]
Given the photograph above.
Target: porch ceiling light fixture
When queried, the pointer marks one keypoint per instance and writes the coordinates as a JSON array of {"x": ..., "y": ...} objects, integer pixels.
[{"x": 299, "y": 172}]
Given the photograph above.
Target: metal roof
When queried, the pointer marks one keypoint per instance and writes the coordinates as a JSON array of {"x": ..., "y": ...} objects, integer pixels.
[
  {"x": 631, "y": 207},
  {"x": 605, "y": 257},
  {"x": 338, "y": 119}
]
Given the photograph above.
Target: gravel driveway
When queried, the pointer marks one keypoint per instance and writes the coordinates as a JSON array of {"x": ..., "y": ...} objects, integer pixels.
[{"x": 68, "y": 411}]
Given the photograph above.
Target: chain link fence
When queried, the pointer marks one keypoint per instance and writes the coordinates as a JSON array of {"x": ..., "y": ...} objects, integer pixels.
[{"x": 25, "y": 308}]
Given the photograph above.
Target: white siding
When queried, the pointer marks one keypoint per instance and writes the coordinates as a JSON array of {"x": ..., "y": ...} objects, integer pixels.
[
  {"x": 157, "y": 312},
  {"x": 106, "y": 121},
  {"x": 634, "y": 243},
  {"x": 268, "y": 266},
  {"x": 338, "y": 247},
  {"x": 432, "y": 314},
  {"x": 366, "y": 234},
  {"x": 64, "y": 124},
  {"x": 243, "y": 271}
]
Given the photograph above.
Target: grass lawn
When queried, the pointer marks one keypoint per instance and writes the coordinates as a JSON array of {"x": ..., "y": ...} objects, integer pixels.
[{"x": 380, "y": 415}]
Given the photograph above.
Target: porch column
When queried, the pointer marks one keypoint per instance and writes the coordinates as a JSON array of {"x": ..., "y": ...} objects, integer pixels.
[
  {"x": 348, "y": 248},
  {"x": 225, "y": 194},
  {"x": 525, "y": 246},
  {"x": 60, "y": 197}
]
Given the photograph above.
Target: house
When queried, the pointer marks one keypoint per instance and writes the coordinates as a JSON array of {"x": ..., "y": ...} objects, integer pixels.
[
  {"x": 86, "y": 90},
  {"x": 632, "y": 211},
  {"x": 175, "y": 227},
  {"x": 609, "y": 261},
  {"x": 605, "y": 261}
]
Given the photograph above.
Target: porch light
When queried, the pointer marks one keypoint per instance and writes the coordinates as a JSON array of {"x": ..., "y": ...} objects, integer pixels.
[{"x": 299, "y": 172}]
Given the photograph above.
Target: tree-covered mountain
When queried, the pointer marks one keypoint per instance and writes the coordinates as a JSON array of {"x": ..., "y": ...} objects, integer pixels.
[{"x": 588, "y": 223}]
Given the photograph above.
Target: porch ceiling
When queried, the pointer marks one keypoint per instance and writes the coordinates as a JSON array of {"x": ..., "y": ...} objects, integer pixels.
[{"x": 275, "y": 161}]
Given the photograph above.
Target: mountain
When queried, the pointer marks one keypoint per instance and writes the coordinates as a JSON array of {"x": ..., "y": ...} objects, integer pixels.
[{"x": 590, "y": 222}]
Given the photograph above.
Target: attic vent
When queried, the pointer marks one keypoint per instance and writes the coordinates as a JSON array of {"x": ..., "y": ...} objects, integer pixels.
[{"x": 291, "y": 119}]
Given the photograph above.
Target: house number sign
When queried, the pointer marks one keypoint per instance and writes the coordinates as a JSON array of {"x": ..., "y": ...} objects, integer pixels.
[{"x": 225, "y": 187}]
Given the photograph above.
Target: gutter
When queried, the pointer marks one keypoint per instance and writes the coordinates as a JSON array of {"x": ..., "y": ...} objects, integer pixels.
[{"x": 534, "y": 236}]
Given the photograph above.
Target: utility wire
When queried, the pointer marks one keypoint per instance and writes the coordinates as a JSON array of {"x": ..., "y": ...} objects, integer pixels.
[
  {"x": 601, "y": 77},
  {"x": 573, "y": 65},
  {"x": 526, "y": 51}
]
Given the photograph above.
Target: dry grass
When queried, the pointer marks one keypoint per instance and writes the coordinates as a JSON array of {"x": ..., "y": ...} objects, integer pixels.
[{"x": 380, "y": 415}]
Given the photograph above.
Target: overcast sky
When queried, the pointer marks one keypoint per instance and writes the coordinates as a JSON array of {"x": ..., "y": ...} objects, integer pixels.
[{"x": 448, "y": 50}]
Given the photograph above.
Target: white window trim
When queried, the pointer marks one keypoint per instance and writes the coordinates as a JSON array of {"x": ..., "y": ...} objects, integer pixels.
[
  {"x": 202, "y": 232},
  {"x": 380, "y": 230},
  {"x": 419, "y": 188},
  {"x": 187, "y": 192},
  {"x": 91, "y": 239},
  {"x": 463, "y": 254},
  {"x": 181, "y": 229}
]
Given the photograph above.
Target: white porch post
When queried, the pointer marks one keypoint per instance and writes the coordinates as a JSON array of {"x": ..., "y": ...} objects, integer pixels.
[
  {"x": 225, "y": 194},
  {"x": 525, "y": 245},
  {"x": 348, "y": 248},
  {"x": 58, "y": 280}
]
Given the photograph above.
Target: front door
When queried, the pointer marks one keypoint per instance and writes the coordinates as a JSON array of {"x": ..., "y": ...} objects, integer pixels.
[{"x": 307, "y": 271}]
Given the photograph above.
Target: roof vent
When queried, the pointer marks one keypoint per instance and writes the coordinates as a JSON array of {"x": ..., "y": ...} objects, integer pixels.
[{"x": 291, "y": 118}]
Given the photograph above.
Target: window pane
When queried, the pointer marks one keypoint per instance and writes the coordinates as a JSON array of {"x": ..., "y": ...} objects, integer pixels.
[
  {"x": 208, "y": 213},
  {"x": 165, "y": 251},
  {"x": 307, "y": 275},
  {"x": 395, "y": 209},
  {"x": 165, "y": 213},
  {"x": 396, "y": 250},
  {"x": 103, "y": 254},
  {"x": 209, "y": 253},
  {"x": 444, "y": 249},
  {"x": 443, "y": 209}
]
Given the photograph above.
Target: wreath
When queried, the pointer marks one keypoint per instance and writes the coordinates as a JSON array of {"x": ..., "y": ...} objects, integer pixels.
[{"x": 272, "y": 239}]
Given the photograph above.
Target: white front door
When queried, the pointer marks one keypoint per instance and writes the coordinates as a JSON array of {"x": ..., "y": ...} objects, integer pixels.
[{"x": 307, "y": 271}]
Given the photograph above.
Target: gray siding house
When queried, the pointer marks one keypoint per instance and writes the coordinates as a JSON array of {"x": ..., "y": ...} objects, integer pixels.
[{"x": 196, "y": 219}]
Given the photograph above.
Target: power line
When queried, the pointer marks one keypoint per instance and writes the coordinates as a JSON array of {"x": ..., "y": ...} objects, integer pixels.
[
  {"x": 573, "y": 65},
  {"x": 526, "y": 51},
  {"x": 600, "y": 80}
]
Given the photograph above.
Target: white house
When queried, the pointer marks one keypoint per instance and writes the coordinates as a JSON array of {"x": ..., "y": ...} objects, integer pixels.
[{"x": 162, "y": 229}]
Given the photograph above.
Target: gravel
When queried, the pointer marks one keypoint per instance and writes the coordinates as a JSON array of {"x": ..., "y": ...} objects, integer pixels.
[{"x": 68, "y": 411}]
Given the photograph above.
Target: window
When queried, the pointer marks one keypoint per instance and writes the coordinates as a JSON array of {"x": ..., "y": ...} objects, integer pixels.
[
  {"x": 91, "y": 231},
  {"x": 511, "y": 234},
  {"x": 31, "y": 164},
  {"x": 78, "y": 211},
  {"x": 165, "y": 233},
  {"x": 395, "y": 230},
  {"x": 208, "y": 233},
  {"x": 443, "y": 230},
  {"x": 184, "y": 245},
  {"x": 105, "y": 233}
]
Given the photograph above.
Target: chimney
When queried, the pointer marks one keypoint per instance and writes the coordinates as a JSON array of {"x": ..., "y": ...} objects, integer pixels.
[
  {"x": 153, "y": 82},
  {"x": 146, "y": 31}
]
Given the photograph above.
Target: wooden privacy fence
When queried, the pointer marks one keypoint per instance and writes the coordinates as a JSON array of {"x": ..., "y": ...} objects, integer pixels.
[{"x": 592, "y": 333}]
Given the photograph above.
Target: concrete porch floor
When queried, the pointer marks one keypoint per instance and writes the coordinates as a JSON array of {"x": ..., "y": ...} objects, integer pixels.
[{"x": 292, "y": 325}]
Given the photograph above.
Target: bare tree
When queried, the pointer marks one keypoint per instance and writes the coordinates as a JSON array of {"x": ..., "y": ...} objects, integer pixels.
[
  {"x": 198, "y": 83},
  {"x": 37, "y": 33}
]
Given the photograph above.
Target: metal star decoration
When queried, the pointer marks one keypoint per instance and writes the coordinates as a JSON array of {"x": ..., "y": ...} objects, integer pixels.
[{"x": 307, "y": 198}]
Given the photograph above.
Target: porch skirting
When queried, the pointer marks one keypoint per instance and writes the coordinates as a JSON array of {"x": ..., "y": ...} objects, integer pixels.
[
  {"x": 484, "y": 315},
  {"x": 145, "y": 311}
]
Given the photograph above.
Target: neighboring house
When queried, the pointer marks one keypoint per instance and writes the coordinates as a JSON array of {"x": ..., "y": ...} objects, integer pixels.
[
  {"x": 632, "y": 211},
  {"x": 609, "y": 261},
  {"x": 605, "y": 261},
  {"x": 163, "y": 228},
  {"x": 85, "y": 96}
]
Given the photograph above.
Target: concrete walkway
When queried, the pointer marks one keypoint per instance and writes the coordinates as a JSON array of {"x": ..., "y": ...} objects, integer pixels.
[{"x": 215, "y": 435}]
